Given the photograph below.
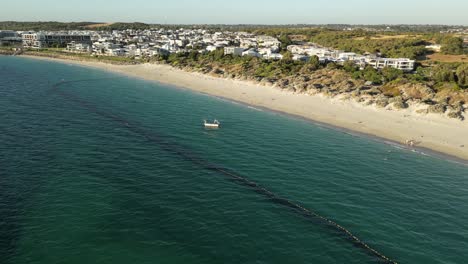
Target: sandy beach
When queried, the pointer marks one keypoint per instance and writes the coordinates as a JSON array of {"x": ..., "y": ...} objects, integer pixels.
[{"x": 431, "y": 131}]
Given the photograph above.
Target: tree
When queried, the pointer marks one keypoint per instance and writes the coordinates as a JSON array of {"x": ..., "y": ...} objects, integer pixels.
[
  {"x": 357, "y": 75},
  {"x": 453, "y": 46},
  {"x": 391, "y": 74},
  {"x": 332, "y": 65},
  {"x": 462, "y": 75},
  {"x": 443, "y": 73},
  {"x": 285, "y": 40},
  {"x": 288, "y": 56},
  {"x": 314, "y": 62},
  {"x": 372, "y": 75},
  {"x": 193, "y": 55},
  {"x": 350, "y": 66}
]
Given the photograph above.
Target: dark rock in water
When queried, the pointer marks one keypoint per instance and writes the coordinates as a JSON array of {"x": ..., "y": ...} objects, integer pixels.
[{"x": 437, "y": 108}]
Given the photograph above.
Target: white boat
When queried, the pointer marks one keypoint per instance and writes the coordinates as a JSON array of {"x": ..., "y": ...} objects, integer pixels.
[{"x": 215, "y": 124}]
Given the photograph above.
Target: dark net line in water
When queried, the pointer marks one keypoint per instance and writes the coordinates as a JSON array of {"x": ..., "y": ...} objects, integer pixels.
[{"x": 174, "y": 148}]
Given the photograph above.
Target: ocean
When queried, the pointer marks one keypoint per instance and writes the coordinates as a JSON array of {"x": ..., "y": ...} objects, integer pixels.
[{"x": 97, "y": 167}]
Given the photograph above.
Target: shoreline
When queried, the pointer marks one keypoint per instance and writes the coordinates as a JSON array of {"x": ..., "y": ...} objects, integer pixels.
[{"x": 436, "y": 135}]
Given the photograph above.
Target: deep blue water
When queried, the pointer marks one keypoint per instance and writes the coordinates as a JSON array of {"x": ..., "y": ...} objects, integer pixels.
[{"x": 112, "y": 169}]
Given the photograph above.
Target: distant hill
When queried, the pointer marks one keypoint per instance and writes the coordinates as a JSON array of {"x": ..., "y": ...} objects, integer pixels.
[
  {"x": 55, "y": 26},
  {"x": 50, "y": 25},
  {"x": 123, "y": 26}
]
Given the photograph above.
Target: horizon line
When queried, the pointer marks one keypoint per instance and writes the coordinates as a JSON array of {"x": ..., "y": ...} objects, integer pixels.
[{"x": 238, "y": 24}]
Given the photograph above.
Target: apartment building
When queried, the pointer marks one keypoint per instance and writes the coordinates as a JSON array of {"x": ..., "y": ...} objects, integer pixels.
[
  {"x": 9, "y": 37},
  {"x": 45, "y": 40},
  {"x": 401, "y": 64}
]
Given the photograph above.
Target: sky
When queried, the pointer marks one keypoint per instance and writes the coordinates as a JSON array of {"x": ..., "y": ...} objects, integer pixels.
[{"x": 453, "y": 12}]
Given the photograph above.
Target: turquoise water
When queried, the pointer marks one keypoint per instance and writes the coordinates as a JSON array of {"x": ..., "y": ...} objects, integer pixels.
[{"x": 114, "y": 170}]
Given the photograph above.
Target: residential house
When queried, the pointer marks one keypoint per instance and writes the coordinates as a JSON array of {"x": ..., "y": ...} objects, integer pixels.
[
  {"x": 236, "y": 51},
  {"x": 211, "y": 48},
  {"x": 273, "y": 56},
  {"x": 252, "y": 53},
  {"x": 79, "y": 47},
  {"x": 300, "y": 57}
]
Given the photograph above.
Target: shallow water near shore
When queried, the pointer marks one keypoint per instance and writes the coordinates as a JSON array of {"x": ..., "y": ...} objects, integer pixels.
[{"x": 107, "y": 171}]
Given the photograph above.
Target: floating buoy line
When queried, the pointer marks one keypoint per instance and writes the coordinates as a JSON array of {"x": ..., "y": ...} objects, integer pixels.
[{"x": 167, "y": 145}]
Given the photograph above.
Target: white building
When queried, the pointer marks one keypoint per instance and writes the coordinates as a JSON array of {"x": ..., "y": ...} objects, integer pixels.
[
  {"x": 273, "y": 56},
  {"x": 9, "y": 37},
  {"x": 211, "y": 48},
  {"x": 401, "y": 64},
  {"x": 236, "y": 51},
  {"x": 304, "y": 52},
  {"x": 79, "y": 47},
  {"x": 347, "y": 56},
  {"x": 116, "y": 52},
  {"x": 300, "y": 57},
  {"x": 252, "y": 53},
  {"x": 53, "y": 39},
  {"x": 267, "y": 41}
]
